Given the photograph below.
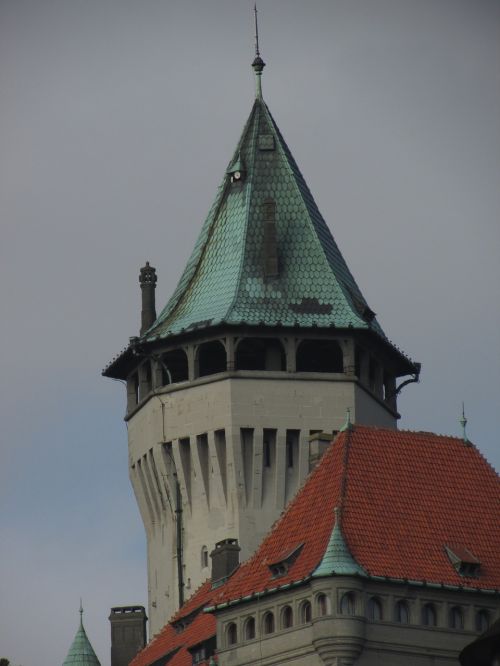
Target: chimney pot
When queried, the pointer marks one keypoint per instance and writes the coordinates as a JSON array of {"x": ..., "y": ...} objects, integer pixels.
[
  {"x": 225, "y": 560},
  {"x": 147, "y": 280}
]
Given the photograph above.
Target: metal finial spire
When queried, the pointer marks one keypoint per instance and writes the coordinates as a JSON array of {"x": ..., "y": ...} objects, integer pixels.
[
  {"x": 257, "y": 52},
  {"x": 463, "y": 423},
  {"x": 81, "y": 611},
  {"x": 258, "y": 64}
]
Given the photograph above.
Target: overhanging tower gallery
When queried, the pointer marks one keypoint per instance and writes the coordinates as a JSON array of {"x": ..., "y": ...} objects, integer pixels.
[{"x": 264, "y": 344}]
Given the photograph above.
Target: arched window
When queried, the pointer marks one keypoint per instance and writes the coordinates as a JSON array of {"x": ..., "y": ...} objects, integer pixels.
[
  {"x": 305, "y": 612},
  {"x": 402, "y": 612},
  {"x": 260, "y": 354},
  {"x": 482, "y": 621},
  {"x": 456, "y": 618},
  {"x": 204, "y": 557},
  {"x": 374, "y": 609},
  {"x": 268, "y": 623},
  {"x": 286, "y": 617},
  {"x": 250, "y": 629},
  {"x": 319, "y": 356},
  {"x": 429, "y": 615},
  {"x": 347, "y": 604},
  {"x": 174, "y": 367},
  {"x": 211, "y": 358},
  {"x": 232, "y": 633},
  {"x": 323, "y": 605}
]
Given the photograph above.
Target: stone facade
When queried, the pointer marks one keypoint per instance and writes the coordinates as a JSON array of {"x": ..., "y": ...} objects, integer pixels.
[
  {"x": 238, "y": 444},
  {"x": 343, "y": 621}
]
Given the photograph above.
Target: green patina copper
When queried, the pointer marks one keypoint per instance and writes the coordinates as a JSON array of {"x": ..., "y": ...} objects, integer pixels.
[
  {"x": 81, "y": 652},
  {"x": 337, "y": 559},
  {"x": 225, "y": 280}
]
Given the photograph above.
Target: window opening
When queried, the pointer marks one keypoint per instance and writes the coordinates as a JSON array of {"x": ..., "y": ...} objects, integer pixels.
[
  {"x": 429, "y": 617},
  {"x": 347, "y": 604},
  {"x": 402, "y": 613},
  {"x": 374, "y": 609},
  {"x": 287, "y": 617},
  {"x": 211, "y": 358},
  {"x": 306, "y": 612},
  {"x": 174, "y": 367},
  {"x": 323, "y": 603},
  {"x": 463, "y": 561},
  {"x": 319, "y": 356},
  {"x": 260, "y": 354},
  {"x": 232, "y": 634},
  {"x": 250, "y": 629},
  {"x": 204, "y": 557},
  {"x": 268, "y": 623},
  {"x": 456, "y": 618},
  {"x": 482, "y": 621}
]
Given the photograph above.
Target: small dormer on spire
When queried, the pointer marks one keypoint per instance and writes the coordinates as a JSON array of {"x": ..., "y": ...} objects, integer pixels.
[
  {"x": 258, "y": 64},
  {"x": 236, "y": 171}
]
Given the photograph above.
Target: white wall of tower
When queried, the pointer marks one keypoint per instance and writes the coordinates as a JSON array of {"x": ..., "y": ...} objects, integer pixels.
[{"x": 240, "y": 449}]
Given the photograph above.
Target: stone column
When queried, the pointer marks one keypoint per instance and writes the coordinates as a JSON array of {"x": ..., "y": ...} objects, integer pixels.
[
  {"x": 132, "y": 392},
  {"x": 390, "y": 392},
  {"x": 144, "y": 379},
  {"x": 230, "y": 353},
  {"x": 191, "y": 353},
  {"x": 364, "y": 367},
  {"x": 291, "y": 353},
  {"x": 347, "y": 347}
]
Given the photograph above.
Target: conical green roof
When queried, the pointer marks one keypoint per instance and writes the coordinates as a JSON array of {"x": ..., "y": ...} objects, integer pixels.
[
  {"x": 225, "y": 280},
  {"x": 81, "y": 652},
  {"x": 337, "y": 558}
]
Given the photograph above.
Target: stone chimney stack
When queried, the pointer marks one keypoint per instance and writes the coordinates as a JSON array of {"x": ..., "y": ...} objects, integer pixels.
[
  {"x": 147, "y": 280},
  {"x": 225, "y": 560},
  {"x": 128, "y": 633}
]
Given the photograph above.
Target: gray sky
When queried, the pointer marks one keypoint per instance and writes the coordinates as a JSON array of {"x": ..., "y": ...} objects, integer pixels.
[{"x": 117, "y": 120}]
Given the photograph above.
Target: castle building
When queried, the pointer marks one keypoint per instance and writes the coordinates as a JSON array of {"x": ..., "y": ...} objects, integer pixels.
[
  {"x": 266, "y": 341},
  {"x": 389, "y": 554}
]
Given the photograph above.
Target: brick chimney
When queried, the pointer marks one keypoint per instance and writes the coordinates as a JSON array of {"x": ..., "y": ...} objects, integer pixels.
[
  {"x": 128, "y": 633},
  {"x": 147, "y": 280},
  {"x": 225, "y": 560}
]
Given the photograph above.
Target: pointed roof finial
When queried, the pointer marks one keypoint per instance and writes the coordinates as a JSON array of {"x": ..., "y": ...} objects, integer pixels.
[
  {"x": 348, "y": 424},
  {"x": 463, "y": 423},
  {"x": 81, "y": 611},
  {"x": 258, "y": 64}
]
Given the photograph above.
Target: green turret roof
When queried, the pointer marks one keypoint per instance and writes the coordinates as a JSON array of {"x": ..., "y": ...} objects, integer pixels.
[
  {"x": 81, "y": 652},
  {"x": 337, "y": 558},
  {"x": 225, "y": 280}
]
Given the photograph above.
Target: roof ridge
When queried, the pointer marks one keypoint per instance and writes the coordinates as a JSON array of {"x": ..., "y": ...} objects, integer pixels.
[
  {"x": 190, "y": 273},
  {"x": 257, "y": 105},
  {"x": 309, "y": 201}
]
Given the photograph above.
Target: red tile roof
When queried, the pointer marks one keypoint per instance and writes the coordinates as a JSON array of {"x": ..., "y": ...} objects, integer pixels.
[
  {"x": 403, "y": 496},
  {"x": 169, "y": 640}
]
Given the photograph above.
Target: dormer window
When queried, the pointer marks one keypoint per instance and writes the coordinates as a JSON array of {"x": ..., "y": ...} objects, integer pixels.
[
  {"x": 463, "y": 561},
  {"x": 282, "y": 564},
  {"x": 236, "y": 171}
]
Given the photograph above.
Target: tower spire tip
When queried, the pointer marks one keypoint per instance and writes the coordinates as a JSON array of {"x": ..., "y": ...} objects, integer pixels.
[{"x": 258, "y": 64}]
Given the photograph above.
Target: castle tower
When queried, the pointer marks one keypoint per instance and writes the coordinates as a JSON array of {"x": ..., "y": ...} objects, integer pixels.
[{"x": 266, "y": 341}]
